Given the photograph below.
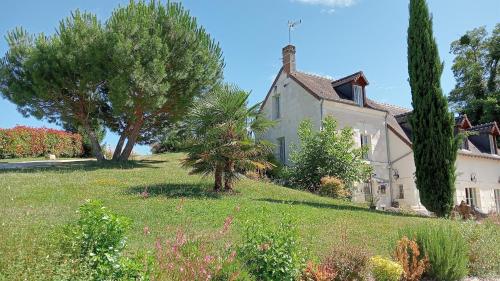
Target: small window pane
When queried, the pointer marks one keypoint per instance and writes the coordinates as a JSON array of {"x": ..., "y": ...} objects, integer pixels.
[{"x": 401, "y": 192}]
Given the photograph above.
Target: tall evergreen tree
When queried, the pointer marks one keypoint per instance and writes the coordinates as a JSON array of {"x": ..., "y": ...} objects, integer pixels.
[{"x": 434, "y": 145}]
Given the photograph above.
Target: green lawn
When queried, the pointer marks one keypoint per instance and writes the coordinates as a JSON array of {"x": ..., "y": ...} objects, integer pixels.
[{"x": 33, "y": 203}]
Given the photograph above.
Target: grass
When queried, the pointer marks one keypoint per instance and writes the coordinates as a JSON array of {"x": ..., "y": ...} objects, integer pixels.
[{"x": 36, "y": 202}]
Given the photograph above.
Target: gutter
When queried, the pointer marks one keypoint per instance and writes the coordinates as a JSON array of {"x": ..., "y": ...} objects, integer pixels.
[{"x": 388, "y": 156}]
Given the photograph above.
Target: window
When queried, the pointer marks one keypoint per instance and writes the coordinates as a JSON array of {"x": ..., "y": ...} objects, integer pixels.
[
  {"x": 382, "y": 189},
  {"x": 358, "y": 95},
  {"x": 365, "y": 141},
  {"x": 277, "y": 108},
  {"x": 470, "y": 196},
  {"x": 281, "y": 147},
  {"x": 497, "y": 200},
  {"x": 401, "y": 192}
]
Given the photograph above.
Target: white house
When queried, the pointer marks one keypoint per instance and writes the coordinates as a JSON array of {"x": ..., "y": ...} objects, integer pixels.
[{"x": 295, "y": 96}]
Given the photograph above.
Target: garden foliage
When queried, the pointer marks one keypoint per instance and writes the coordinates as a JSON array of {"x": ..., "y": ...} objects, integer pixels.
[
  {"x": 96, "y": 241},
  {"x": 22, "y": 141},
  {"x": 327, "y": 152},
  {"x": 414, "y": 263},
  {"x": 385, "y": 270},
  {"x": 351, "y": 263},
  {"x": 333, "y": 187},
  {"x": 272, "y": 253},
  {"x": 446, "y": 249}
]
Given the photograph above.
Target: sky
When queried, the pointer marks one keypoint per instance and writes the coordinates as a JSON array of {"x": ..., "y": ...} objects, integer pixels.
[{"x": 336, "y": 38}]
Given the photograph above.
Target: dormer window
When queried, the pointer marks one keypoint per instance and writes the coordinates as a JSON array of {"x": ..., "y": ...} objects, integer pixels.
[{"x": 358, "y": 95}]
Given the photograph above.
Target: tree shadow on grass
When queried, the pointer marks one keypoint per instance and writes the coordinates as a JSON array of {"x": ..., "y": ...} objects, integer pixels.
[
  {"x": 174, "y": 190},
  {"x": 336, "y": 207},
  {"x": 85, "y": 165}
]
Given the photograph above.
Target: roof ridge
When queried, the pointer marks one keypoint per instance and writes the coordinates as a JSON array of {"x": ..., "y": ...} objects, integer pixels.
[
  {"x": 484, "y": 124},
  {"x": 348, "y": 76},
  {"x": 314, "y": 75},
  {"x": 392, "y": 105}
]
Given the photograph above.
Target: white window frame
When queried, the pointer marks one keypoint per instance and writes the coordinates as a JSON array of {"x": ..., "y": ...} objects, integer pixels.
[
  {"x": 365, "y": 140},
  {"x": 276, "y": 107},
  {"x": 357, "y": 94},
  {"x": 471, "y": 196},
  {"x": 282, "y": 149}
]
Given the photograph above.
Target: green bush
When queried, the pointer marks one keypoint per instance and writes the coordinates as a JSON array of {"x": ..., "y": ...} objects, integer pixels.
[
  {"x": 446, "y": 248},
  {"x": 272, "y": 253},
  {"x": 385, "y": 270},
  {"x": 96, "y": 242},
  {"x": 327, "y": 152},
  {"x": 484, "y": 248},
  {"x": 333, "y": 187}
]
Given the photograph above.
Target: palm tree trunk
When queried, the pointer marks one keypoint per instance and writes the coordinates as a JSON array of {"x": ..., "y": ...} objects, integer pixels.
[
  {"x": 218, "y": 177},
  {"x": 229, "y": 175}
]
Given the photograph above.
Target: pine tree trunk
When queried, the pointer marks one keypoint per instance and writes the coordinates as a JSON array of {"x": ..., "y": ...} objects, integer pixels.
[
  {"x": 132, "y": 139},
  {"x": 218, "y": 177},
  {"x": 229, "y": 176},
  {"x": 96, "y": 146},
  {"x": 119, "y": 146}
]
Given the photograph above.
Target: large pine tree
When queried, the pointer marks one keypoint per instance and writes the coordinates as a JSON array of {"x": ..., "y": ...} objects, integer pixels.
[{"x": 434, "y": 145}]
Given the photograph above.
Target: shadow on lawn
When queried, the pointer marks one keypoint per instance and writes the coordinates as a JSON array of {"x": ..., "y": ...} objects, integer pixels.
[
  {"x": 335, "y": 207},
  {"x": 89, "y": 165},
  {"x": 196, "y": 190}
]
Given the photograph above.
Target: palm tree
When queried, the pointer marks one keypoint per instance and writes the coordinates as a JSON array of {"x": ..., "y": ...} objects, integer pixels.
[{"x": 223, "y": 128}]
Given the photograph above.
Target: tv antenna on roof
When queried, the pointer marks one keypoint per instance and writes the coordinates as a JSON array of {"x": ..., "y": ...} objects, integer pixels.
[{"x": 291, "y": 26}]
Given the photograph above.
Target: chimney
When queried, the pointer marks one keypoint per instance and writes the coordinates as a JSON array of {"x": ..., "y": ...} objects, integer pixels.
[{"x": 289, "y": 59}]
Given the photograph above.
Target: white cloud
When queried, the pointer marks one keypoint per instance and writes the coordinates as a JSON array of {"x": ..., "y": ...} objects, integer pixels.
[
  {"x": 329, "y": 3},
  {"x": 319, "y": 75},
  {"x": 328, "y": 11}
]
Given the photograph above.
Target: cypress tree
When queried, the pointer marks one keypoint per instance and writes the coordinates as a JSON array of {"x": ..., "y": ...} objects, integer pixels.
[{"x": 434, "y": 144}]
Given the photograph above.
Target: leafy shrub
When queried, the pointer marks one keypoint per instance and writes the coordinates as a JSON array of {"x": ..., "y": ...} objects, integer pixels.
[
  {"x": 314, "y": 272},
  {"x": 408, "y": 255},
  {"x": 484, "y": 248},
  {"x": 22, "y": 141},
  {"x": 328, "y": 152},
  {"x": 385, "y": 270},
  {"x": 272, "y": 253},
  {"x": 197, "y": 258},
  {"x": 333, "y": 187},
  {"x": 350, "y": 262},
  {"x": 96, "y": 242},
  {"x": 446, "y": 249}
]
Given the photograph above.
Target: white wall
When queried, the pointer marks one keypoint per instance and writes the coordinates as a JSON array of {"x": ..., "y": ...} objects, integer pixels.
[
  {"x": 487, "y": 173},
  {"x": 368, "y": 122},
  {"x": 296, "y": 105}
]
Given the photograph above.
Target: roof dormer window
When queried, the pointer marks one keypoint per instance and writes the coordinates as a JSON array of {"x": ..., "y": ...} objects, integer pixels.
[{"x": 358, "y": 95}]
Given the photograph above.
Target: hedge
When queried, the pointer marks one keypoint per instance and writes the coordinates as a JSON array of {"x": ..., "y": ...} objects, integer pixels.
[{"x": 22, "y": 141}]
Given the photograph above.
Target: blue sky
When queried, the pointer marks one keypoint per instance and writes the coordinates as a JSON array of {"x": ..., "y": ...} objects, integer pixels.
[{"x": 336, "y": 38}]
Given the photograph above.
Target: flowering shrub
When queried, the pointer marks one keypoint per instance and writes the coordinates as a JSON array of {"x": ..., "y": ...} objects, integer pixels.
[
  {"x": 385, "y": 270},
  {"x": 194, "y": 258},
  {"x": 22, "y": 141},
  {"x": 333, "y": 187},
  {"x": 272, "y": 253},
  {"x": 318, "y": 272},
  {"x": 350, "y": 262}
]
